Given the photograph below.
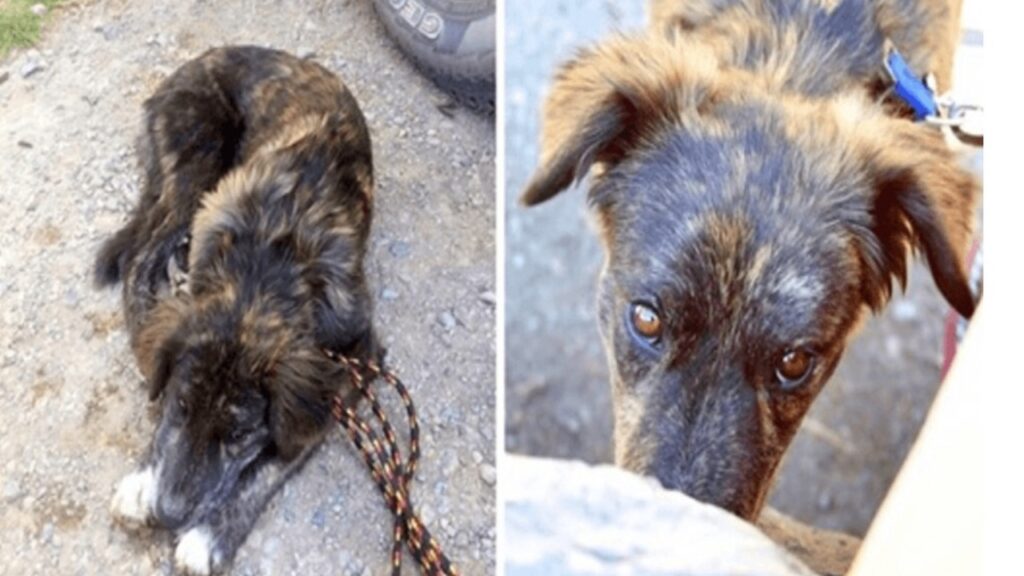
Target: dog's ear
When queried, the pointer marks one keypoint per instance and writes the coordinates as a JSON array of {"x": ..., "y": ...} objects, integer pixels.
[
  {"x": 301, "y": 386},
  {"x": 166, "y": 357},
  {"x": 605, "y": 100},
  {"x": 922, "y": 199},
  {"x": 160, "y": 342}
]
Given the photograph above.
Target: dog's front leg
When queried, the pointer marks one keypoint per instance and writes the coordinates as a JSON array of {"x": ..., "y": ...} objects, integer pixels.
[{"x": 209, "y": 545}]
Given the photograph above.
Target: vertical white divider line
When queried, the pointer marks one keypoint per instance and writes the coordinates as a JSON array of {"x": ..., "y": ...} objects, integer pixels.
[{"x": 499, "y": 242}]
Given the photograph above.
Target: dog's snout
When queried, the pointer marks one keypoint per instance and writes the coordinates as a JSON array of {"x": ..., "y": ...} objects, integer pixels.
[{"x": 170, "y": 511}]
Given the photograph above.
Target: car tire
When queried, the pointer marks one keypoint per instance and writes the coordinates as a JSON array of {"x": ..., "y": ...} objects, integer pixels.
[{"x": 452, "y": 41}]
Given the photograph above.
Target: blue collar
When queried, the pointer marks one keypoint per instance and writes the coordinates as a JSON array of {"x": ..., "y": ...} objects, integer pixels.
[{"x": 909, "y": 88}]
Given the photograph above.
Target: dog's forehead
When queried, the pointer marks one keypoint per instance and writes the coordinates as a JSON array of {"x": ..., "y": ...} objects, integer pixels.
[
  {"x": 743, "y": 220},
  {"x": 751, "y": 174},
  {"x": 732, "y": 259}
]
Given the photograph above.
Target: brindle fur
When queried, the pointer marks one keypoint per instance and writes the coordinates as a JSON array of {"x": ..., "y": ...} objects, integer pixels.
[
  {"x": 258, "y": 182},
  {"x": 747, "y": 180}
]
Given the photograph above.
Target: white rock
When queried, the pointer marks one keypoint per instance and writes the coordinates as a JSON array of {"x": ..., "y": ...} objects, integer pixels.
[
  {"x": 573, "y": 519},
  {"x": 33, "y": 63},
  {"x": 488, "y": 474}
]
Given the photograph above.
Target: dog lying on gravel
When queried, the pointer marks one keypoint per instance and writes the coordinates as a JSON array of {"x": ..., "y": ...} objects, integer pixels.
[
  {"x": 756, "y": 189},
  {"x": 241, "y": 262}
]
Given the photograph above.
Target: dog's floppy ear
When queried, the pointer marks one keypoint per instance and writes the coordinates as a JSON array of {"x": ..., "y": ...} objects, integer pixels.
[
  {"x": 166, "y": 357},
  {"x": 922, "y": 199},
  {"x": 160, "y": 343},
  {"x": 606, "y": 99},
  {"x": 301, "y": 388}
]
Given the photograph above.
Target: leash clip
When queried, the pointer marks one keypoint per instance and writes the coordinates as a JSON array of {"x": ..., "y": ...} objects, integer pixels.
[
  {"x": 909, "y": 88},
  {"x": 966, "y": 121}
]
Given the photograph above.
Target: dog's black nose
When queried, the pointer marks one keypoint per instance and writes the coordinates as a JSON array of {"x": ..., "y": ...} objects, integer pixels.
[{"x": 170, "y": 512}]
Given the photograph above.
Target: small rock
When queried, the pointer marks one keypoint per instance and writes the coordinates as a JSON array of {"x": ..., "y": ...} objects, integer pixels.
[
  {"x": 30, "y": 68},
  {"x": 24, "y": 144},
  {"x": 47, "y": 534},
  {"x": 450, "y": 464},
  {"x": 101, "y": 27},
  {"x": 426, "y": 514},
  {"x": 488, "y": 298},
  {"x": 344, "y": 557},
  {"x": 33, "y": 63},
  {"x": 388, "y": 294},
  {"x": 38, "y": 9},
  {"x": 399, "y": 249},
  {"x": 12, "y": 491},
  {"x": 478, "y": 458},
  {"x": 305, "y": 52},
  {"x": 489, "y": 474},
  {"x": 318, "y": 519},
  {"x": 4, "y": 75},
  {"x": 447, "y": 320}
]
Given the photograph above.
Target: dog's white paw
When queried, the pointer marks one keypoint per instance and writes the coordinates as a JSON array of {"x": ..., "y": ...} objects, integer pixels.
[
  {"x": 134, "y": 499},
  {"x": 195, "y": 554}
]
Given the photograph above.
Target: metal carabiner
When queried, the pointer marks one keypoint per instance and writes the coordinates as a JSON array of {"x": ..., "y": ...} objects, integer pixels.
[{"x": 967, "y": 121}]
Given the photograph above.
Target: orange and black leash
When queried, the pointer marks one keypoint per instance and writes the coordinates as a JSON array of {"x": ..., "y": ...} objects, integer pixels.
[{"x": 384, "y": 460}]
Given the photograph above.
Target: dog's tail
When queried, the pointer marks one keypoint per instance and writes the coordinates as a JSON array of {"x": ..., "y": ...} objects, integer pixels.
[{"x": 113, "y": 257}]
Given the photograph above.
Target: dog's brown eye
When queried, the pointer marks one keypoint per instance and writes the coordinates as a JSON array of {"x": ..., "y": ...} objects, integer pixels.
[
  {"x": 793, "y": 366},
  {"x": 646, "y": 321}
]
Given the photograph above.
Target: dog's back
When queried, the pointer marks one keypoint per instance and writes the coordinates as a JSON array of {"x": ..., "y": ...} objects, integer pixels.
[{"x": 211, "y": 117}]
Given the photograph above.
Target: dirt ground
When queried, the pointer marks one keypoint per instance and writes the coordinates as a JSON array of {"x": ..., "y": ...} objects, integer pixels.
[
  {"x": 73, "y": 416},
  {"x": 557, "y": 396}
]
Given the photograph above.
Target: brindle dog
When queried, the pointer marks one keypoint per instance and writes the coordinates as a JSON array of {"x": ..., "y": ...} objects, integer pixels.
[
  {"x": 241, "y": 262},
  {"x": 755, "y": 193}
]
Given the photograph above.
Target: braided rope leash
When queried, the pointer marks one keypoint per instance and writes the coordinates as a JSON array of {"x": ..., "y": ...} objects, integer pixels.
[{"x": 384, "y": 460}]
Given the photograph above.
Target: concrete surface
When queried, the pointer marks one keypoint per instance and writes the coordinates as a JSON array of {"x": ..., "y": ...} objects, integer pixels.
[
  {"x": 557, "y": 395},
  {"x": 571, "y": 519},
  {"x": 73, "y": 416}
]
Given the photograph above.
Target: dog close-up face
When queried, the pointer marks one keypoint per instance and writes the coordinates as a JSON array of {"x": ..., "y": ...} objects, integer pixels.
[{"x": 745, "y": 235}]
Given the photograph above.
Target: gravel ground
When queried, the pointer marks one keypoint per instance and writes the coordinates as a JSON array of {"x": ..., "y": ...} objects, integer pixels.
[
  {"x": 557, "y": 396},
  {"x": 73, "y": 416}
]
